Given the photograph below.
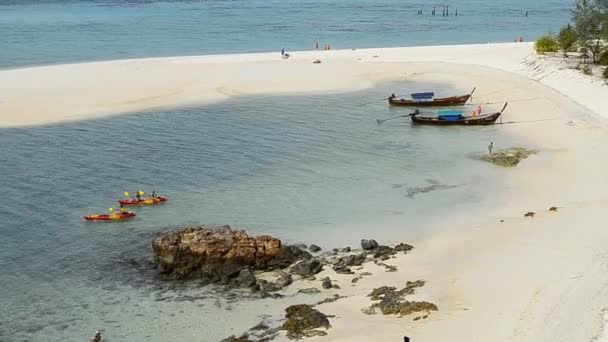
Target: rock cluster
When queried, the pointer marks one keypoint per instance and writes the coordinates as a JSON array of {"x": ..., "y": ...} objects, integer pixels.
[
  {"x": 391, "y": 301},
  {"x": 220, "y": 254},
  {"x": 303, "y": 321},
  {"x": 508, "y": 157}
]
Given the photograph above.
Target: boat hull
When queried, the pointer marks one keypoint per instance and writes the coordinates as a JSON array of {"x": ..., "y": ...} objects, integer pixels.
[
  {"x": 440, "y": 102},
  {"x": 143, "y": 201},
  {"x": 109, "y": 217},
  {"x": 481, "y": 120}
]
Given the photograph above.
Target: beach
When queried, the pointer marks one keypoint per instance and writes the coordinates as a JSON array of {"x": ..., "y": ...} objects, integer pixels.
[{"x": 494, "y": 274}]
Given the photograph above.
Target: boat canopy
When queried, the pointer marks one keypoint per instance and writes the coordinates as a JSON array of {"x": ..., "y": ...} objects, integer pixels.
[
  {"x": 449, "y": 113},
  {"x": 423, "y": 96}
]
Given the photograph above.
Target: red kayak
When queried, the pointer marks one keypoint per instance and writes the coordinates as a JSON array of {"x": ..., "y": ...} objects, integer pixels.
[
  {"x": 109, "y": 217},
  {"x": 143, "y": 201}
]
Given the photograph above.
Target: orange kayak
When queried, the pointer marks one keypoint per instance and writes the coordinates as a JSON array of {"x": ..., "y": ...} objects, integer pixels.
[
  {"x": 143, "y": 201},
  {"x": 109, "y": 217}
]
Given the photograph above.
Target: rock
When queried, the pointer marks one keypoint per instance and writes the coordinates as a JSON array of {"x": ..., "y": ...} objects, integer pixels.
[
  {"x": 317, "y": 61},
  {"x": 369, "y": 244},
  {"x": 300, "y": 246},
  {"x": 351, "y": 260},
  {"x": 287, "y": 256},
  {"x": 326, "y": 283},
  {"x": 403, "y": 247},
  {"x": 345, "y": 249},
  {"x": 553, "y": 209},
  {"x": 529, "y": 214},
  {"x": 233, "y": 338},
  {"x": 383, "y": 252},
  {"x": 246, "y": 278},
  {"x": 508, "y": 157},
  {"x": 284, "y": 279},
  {"x": 343, "y": 269},
  {"x": 309, "y": 291},
  {"x": 336, "y": 286},
  {"x": 302, "y": 320},
  {"x": 314, "y": 248},
  {"x": 215, "y": 254},
  {"x": 391, "y": 301},
  {"x": 307, "y": 268},
  {"x": 356, "y": 279},
  {"x": 330, "y": 299},
  {"x": 390, "y": 268}
]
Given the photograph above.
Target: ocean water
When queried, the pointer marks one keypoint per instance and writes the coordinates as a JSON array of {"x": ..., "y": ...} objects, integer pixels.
[
  {"x": 59, "y": 31},
  {"x": 302, "y": 168}
]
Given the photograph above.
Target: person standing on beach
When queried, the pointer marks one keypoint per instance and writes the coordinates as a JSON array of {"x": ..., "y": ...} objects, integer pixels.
[
  {"x": 317, "y": 46},
  {"x": 490, "y": 147},
  {"x": 283, "y": 52}
]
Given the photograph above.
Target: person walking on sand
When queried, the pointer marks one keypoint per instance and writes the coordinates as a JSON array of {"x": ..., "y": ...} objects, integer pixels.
[
  {"x": 283, "y": 52},
  {"x": 317, "y": 46},
  {"x": 490, "y": 147}
]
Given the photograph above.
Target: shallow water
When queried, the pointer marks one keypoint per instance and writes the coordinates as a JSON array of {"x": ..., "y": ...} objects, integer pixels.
[
  {"x": 60, "y": 31},
  {"x": 302, "y": 168}
]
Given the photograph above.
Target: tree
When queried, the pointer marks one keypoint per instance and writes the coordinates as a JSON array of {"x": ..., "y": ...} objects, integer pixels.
[
  {"x": 566, "y": 39},
  {"x": 591, "y": 25},
  {"x": 545, "y": 44}
]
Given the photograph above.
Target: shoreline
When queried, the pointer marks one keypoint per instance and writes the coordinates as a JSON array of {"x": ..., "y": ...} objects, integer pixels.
[{"x": 531, "y": 279}]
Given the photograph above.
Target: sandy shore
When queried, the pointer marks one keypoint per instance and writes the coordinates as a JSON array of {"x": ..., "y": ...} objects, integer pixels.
[{"x": 495, "y": 275}]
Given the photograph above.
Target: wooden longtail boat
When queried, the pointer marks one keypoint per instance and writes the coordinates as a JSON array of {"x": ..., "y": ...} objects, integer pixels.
[
  {"x": 428, "y": 100},
  {"x": 478, "y": 120}
]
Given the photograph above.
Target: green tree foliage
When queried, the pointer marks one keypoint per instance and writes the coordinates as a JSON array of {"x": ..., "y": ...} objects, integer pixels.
[
  {"x": 591, "y": 24},
  {"x": 546, "y": 44},
  {"x": 566, "y": 39}
]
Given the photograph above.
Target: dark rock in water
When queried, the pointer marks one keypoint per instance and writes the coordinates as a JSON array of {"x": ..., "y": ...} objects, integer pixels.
[
  {"x": 553, "y": 209},
  {"x": 307, "y": 268},
  {"x": 369, "y": 244},
  {"x": 326, "y": 283},
  {"x": 508, "y": 157},
  {"x": 345, "y": 249},
  {"x": 300, "y": 246},
  {"x": 314, "y": 248},
  {"x": 403, "y": 247},
  {"x": 529, "y": 214},
  {"x": 215, "y": 254},
  {"x": 303, "y": 320},
  {"x": 310, "y": 291},
  {"x": 246, "y": 278}
]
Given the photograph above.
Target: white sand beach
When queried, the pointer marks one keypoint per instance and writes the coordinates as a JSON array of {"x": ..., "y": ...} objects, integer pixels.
[{"x": 495, "y": 275}]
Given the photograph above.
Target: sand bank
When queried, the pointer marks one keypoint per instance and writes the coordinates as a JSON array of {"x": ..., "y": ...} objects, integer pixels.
[{"x": 60, "y": 93}]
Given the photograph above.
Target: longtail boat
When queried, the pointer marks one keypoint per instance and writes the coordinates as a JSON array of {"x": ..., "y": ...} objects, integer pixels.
[
  {"x": 143, "y": 201},
  {"x": 109, "y": 217},
  {"x": 428, "y": 100},
  {"x": 456, "y": 118}
]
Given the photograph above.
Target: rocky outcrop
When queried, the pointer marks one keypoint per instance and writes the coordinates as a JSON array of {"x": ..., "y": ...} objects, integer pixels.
[
  {"x": 326, "y": 283},
  {"x": 307, "y": 268},
  {"x": 391, "y": 301},
  {"x": 219, "y": 254},
  {"x": 368, "y": 245},
  {"x": 508, "y": 157},
  {"x": 314, "y": 248},
  {"x": 303, "y": 321}
]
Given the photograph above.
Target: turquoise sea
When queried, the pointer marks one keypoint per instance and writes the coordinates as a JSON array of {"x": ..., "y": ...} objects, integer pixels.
[
  {"x": 61, "y": 31},
  {"x": 312, "y": 169}
]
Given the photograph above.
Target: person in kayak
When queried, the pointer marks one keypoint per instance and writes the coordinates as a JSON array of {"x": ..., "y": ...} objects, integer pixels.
[
  {"x": 153, "y": 193},
  {"x": 138, "y": 196}
]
